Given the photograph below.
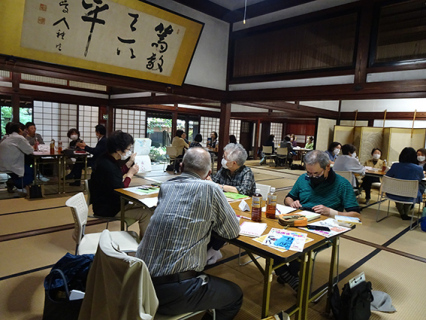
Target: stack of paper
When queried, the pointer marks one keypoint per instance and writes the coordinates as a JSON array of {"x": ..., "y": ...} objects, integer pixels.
[
  {"x": 252, "y": 229},
  {"x": 149, "y": 202}
]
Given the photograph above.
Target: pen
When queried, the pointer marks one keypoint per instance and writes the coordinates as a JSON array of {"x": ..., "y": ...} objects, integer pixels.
[
  {"x": 244, "y": 217},
  {"x": 279, "y": 211},
  {"x": 322, "y": 228}
]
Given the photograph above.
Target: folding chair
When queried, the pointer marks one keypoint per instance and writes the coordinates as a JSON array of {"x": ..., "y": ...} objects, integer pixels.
[
  {"x": 171, "y": 155},
  {"x": 398, "y": 187},
  {"x": 106, "y": 219},
  {"x": 87, "y": 243},
  {"x": 268, "y": 152},
  {"x": 348, "y": 175},
  {"x": 282, "y": 154},
  {"x": 119, "y": 286}
]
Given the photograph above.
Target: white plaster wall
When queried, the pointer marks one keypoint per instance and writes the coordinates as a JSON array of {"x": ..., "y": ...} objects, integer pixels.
[
  {"x": 240, "y": 108},
  {"x": 394, "y": 105},
  {"x": 208, "y": 66},
  {"x": 328, "y": 105},
  {"x": 400, "y": 124}
]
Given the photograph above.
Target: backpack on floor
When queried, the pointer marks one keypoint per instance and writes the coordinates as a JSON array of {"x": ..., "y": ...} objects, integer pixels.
[{"x": 354, "y": 303}]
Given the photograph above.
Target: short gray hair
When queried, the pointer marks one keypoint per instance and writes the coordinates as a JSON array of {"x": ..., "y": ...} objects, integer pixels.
[
  {"x": 236, "y": 152},
  {"x": 197, "y": 160},
  {"x": 317, "y": 156}
]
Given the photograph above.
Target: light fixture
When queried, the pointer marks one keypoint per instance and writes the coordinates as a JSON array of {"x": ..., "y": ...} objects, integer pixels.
[{"x": 245, "y": 11}]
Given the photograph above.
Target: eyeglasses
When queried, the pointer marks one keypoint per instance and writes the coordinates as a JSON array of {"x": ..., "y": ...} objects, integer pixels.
[{"x": 314, "y": 175}]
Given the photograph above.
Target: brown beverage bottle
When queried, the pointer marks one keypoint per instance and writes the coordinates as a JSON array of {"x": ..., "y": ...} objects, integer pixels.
[
  {"x": 271, "y": 205},
  {"x": 256, "y": 206}
]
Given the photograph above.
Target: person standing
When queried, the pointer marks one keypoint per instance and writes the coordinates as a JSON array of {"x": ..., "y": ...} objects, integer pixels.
[
  {"x": 176, "y": 242},
  {"x": 97, "y": 151}
]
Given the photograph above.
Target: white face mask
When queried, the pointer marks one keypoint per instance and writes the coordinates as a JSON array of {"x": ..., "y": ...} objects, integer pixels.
[
  {"x": 420, "y": 158},
  {"x": 74, "y": 137},
  {"x": 126, "y": 155},
  {"x": 353, "y": 155},
  {"x": 336, "y": 151},
  {"x": 376, "y": 156},
  {"x": 224, "y": 163}
]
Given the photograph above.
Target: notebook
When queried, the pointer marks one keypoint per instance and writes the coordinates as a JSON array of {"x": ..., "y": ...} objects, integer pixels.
[
  {"x": 309, "y": 215},
  {"x": 252, "y": 229}
]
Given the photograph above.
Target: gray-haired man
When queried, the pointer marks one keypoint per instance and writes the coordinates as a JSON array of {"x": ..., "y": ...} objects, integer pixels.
[
  {"x": 175, "y": 244},
  {"x": 234, "y": 176}
]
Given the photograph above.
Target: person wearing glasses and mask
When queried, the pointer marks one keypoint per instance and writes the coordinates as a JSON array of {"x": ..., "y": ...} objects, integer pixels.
[
  {"x": 325, "y": 192},
  {"x": 108, "y": 175},
  {"x": 234, "y": 176}
]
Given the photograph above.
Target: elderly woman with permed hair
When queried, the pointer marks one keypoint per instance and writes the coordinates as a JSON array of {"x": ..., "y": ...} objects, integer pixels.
[{"x": 234, "y": 176}]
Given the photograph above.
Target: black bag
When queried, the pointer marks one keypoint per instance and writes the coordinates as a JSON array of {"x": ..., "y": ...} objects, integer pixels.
[
  {"x": 69, "y": 273},
  {"x": 355, "y": 302},
  {"x": 170, "y": 167},
  {"x": 35, "y": 191},
  {"x": 57, "y": 304}
]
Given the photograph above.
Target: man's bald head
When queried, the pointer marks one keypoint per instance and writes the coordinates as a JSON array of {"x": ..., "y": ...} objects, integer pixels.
[{"x": 197, "y": 160}]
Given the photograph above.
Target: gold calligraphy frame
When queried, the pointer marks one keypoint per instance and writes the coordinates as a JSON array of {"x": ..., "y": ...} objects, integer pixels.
[{"x": 11, "y": 19}]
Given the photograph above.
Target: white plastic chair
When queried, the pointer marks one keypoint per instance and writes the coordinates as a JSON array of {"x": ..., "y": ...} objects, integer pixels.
[
  {"x": 87, "y": 243},
  {"x": 123, "y": 284},
  {"x": 398, "y": 187},
  {"x": 106, "y": 219}
]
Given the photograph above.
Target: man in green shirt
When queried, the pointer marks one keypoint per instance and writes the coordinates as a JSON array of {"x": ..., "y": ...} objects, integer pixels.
[{"x": 325, "y": 192}]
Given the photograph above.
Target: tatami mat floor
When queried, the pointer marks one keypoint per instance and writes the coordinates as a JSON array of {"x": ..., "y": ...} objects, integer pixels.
[{"x": 392, "y": 258}]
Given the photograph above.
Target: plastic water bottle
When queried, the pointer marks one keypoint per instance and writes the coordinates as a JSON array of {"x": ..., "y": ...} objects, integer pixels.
[
  {"x": 271, "y": 205},
  {"x": 256, "y": 206}
]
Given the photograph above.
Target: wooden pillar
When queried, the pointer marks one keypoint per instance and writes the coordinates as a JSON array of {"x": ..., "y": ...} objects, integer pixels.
[
  {"x": 16, "y": 77},
  {"x": 174, "y": 121},
  {"x": 256, "y": 140},
  {"x": 225, "y": 119},
  {"x": 110, "y": 119},
  {"x": 366, "y": 18}
]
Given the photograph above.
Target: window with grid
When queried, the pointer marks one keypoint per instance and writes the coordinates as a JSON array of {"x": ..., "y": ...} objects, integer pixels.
[
  {"x": 277, "y": 131},
  {"x": 130, "y": 121},
  {"x": 235, "y": 129},
  {"x": 53, "y": 120},
  {"x": 87, "y": 121},
  {"x": 208, "y": 125}
]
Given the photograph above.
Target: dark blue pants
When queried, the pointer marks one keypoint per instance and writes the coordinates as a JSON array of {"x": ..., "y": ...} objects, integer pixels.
[
  {"x": 192, "y": 295},
  {"x": 27, "y": 179}
]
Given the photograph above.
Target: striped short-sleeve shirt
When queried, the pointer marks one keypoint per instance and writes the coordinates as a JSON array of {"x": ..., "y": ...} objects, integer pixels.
[{"x": 188, "y": 210}]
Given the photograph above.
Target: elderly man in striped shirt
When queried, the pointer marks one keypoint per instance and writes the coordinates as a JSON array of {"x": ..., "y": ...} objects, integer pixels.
[{"x": 175, "y": 244}]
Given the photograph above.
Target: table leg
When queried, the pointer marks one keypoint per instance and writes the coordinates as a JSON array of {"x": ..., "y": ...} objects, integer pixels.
[
  {"x": 59, "y": 174},
  {"x": 64, "y": 172},
  {"x": 305, "y": 286},
  {"x": 85, "y": 171},
  {"x": 267, "y": 278},
  {"x": 35, "y": 170},
  {"x": 333, "y": 264},
  {"x": 122, "y": 204}
]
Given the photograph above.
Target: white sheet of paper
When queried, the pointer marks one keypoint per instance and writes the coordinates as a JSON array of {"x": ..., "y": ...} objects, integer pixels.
[{"x": 150, "y": 202}]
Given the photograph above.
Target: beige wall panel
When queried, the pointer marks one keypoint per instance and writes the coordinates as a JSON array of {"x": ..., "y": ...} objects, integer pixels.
[
  {"x": 385, "y": 144},
  {"x": 357, "y": 138},
  {"x": 343, "y": 134},
  {"x": 400, "y": 138},
  {"x": 324, "y": 133},
  {"x": 370, "y": 138}
]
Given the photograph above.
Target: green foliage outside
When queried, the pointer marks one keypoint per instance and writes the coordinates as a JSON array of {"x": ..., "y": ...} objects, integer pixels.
[
  {"x": 158, "y": 123},
  {"x": 158, "y": 154},
  {"x": 6, "y": 116}
]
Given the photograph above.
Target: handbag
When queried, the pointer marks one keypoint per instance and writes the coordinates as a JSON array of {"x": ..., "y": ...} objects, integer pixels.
[
  {"x": 35, "y": 191},
  {"x": 57, "y": 303}
]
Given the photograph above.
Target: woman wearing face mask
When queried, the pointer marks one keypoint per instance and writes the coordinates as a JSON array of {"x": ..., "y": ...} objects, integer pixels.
[
  {"x": 421, "y": 158},
  {"x": 234, "y": 176},
  {"x": 333, "y": 151},
  {"x": 74, "y": 135},
  {"x": 348, "y": 162},
  {"x": 108, "y": 175},
  {"x": 367, "y": 181}
]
